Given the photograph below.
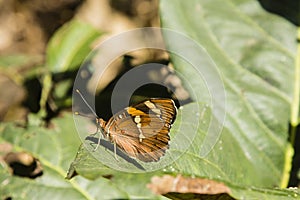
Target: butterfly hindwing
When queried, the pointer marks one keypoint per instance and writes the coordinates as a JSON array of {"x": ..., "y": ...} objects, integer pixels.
[{"x": 142, "y": 130}]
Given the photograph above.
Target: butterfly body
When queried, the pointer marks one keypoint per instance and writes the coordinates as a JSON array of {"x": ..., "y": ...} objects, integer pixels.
[{"x": 142, "y": 130}]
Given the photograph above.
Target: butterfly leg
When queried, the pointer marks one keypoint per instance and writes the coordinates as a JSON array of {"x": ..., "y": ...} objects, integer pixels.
[
  {"x": 115, "y": 151},
  {"x": 98, "y": 143}
]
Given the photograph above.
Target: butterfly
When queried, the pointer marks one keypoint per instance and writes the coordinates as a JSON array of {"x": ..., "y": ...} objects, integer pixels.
[{"x": 141, "y": 130}]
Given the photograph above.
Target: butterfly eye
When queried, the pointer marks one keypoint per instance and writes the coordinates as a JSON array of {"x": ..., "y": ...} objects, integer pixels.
[{"x": 101, "y": 122}]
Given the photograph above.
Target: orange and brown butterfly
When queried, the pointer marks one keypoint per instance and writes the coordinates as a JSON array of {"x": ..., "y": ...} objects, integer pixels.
[{"x": 141, "y": 130}]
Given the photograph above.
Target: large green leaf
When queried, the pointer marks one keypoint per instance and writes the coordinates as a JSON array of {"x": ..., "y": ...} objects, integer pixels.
[
  {"x": 257, "y": 72},
  {"x": 229, "y": 169},
  {"x": 275, "y": 26}
]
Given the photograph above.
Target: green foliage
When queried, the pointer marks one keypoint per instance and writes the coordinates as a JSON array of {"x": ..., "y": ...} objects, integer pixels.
[
  {"x": 226, "y": 162},
  {"x": 252, "y": 50},
  {"x": 70, "y": 46},
  {"x": 257, "y": 69}
]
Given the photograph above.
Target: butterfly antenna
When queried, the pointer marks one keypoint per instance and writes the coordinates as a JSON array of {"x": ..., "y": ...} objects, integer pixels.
[
  {"x": 83, "y": 115},
  {"x": 88, "y": 105},
  {"x": 98, "y": 125}
]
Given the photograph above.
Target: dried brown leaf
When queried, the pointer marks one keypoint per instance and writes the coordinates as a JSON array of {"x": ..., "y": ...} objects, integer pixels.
[{"x": 179, "y": 184}]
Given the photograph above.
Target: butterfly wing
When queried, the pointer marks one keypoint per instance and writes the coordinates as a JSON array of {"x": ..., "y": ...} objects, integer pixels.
[
  {"x": 148, "y": 150},
  {"x": 142, "y": 130}
]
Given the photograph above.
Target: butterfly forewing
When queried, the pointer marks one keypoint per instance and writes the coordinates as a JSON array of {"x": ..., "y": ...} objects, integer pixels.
[{"x": 142, "y": 130}]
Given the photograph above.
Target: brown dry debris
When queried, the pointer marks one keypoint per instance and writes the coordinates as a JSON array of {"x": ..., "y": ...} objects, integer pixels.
[
  {"x": 179, "y": 184},
  {"x": 23, "y": 164}
]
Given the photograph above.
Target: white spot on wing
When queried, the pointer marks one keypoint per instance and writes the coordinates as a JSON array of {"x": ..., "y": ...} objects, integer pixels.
[
  {"x": 137, "y": 119},
  {"x": 150, "y": 104}
]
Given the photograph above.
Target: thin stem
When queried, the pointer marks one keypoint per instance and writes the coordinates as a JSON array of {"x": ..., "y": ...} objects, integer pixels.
[{"x": 296, "y": 98}]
